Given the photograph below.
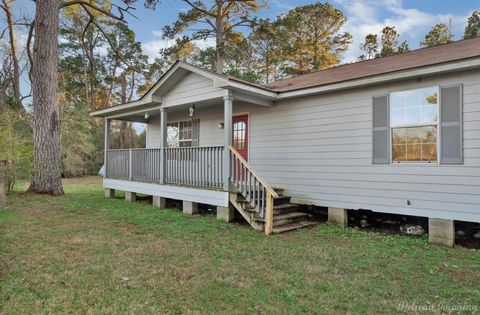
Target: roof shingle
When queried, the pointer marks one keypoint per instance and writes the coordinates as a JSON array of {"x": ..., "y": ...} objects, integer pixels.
[{"x": 459, "y": 50}]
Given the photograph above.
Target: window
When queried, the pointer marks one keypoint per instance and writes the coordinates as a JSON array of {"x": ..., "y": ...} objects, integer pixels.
[
  {"x": 179, "y": 134},
  {"x": 239, "y": 135},
  {"x": 414, "y": 125}
]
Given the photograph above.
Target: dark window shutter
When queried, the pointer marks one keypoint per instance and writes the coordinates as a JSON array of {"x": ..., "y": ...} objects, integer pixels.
[
  {"x": 381, "y": 130},
  {"x": 451, "y": 130},
  {"x": 196, "y": 132}
]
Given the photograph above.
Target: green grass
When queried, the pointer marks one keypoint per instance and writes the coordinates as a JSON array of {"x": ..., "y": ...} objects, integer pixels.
[{"x": 83, "y": 253}]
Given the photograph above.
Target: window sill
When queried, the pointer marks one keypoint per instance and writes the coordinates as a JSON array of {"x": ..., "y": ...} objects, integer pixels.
[{"x": 415, "y": 163}]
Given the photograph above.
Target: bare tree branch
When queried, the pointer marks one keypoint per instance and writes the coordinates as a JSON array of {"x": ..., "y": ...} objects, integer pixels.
[
  {"x": 84, "y": 4},
  {"x": 112, "y": 45},
  {"x": 196, "y": 7},
  {"x": 240, "y": 23},
  {"x": 3, "y": 32},
  {"x": 29, "y": 51},
  {"x": 83, "y": 38}
]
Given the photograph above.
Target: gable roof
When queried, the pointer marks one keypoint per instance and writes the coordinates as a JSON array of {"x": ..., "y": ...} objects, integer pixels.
[
  {"x": 414, "y": 63},
  {"x": 459, "y": 50},
  {"x": 154, "y": 96}
]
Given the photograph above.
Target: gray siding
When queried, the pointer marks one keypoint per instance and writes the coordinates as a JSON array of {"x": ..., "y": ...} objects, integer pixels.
[
  {"x": 192, "y": 88},
  {"x": 210, "y": 117},
  {"x": 319, "y": 149}
]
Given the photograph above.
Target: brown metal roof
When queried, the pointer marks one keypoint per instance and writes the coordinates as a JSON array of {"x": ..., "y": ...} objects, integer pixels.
[{"x": 462, "y": 49}]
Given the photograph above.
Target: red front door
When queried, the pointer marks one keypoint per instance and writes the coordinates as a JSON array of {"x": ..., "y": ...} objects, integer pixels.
[{"x": 240, "y": 135}]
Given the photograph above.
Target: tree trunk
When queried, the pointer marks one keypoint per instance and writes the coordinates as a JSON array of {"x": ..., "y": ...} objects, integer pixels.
[
  {"x": 220, "y": 40},
  {"x": 13, "y": 48},
  {"x": 123, "y": 137},
  {"x": 93, "y": 103},
  {"x": 3, "y": 187},
  {"x": 47, "y": 174}
]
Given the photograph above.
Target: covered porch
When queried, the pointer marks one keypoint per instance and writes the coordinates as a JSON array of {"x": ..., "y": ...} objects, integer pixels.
[
  {"x": 174, "y": 154},
  {"x": 196, "y": 150}
]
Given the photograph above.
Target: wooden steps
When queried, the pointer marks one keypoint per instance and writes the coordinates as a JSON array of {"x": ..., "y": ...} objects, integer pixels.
[
  {"x": 264, "y": 207},
  {"x": 286, "y": 215},
  {"x": 292, "y": 217},
  {"x": 293, "y": 226}
]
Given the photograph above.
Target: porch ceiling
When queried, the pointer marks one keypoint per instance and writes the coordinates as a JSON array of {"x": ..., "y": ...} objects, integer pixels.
[{"x": 138, "y": 114}]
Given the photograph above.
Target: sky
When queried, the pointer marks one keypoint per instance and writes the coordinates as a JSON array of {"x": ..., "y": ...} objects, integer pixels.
[{"x": 411, "y": 18}]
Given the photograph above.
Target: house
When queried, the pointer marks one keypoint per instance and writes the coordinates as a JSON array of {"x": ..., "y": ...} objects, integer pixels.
[{"x": 398, "y": 134}]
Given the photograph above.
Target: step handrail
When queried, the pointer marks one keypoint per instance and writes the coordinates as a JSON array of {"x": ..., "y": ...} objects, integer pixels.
[
  {"x": 269, "y": 194},
  {"x": 270, "y": 190}
]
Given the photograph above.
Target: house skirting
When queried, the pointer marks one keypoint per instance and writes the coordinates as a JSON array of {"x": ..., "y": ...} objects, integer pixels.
[{"x": 198, "y": 195}]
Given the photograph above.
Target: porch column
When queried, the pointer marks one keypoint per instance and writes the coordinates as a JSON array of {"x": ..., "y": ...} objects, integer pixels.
[
  {"x": 106, "y": 143},
  {"x": 163, "y": 143},
  {"x": 227, "y": 113}
]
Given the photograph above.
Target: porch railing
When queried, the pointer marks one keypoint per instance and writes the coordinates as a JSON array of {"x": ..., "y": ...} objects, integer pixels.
[
  {"x": 145, "y": 166},
  {"x": 195, "y": 166},
  {"x": 118, "y": 162},
  {"x": 192, "y": 166}
]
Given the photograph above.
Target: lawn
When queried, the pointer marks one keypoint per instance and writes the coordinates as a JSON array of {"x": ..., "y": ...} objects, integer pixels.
[{"x": 83, "y": 253}]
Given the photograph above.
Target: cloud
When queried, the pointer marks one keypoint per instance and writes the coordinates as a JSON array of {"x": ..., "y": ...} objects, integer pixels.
[
  {"x": 151, "y": 47},
  {"x": 371, "y": 16}
]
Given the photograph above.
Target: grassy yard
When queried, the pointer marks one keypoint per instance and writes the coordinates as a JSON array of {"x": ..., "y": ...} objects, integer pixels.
[{"x": 82, "y": 253}]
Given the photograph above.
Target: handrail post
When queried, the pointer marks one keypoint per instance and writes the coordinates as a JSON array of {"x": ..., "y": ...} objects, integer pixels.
[
  {"x": 130, "y": 164},
  {"x": 163, "y": 141},
  {"x": 269, "y": 215},
  {"x": 227, "y": 113},
  {"x": 106, "y": 144}
]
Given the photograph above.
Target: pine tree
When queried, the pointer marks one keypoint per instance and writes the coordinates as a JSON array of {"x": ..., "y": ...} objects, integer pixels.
[
  {"x": 473, "y": 26},
  {"x": 389, "y": 41},
  {"x": 266, "y": 40},
  {"x": 369, "y": 47},
  {"x": 390, "y": 44},
  {"x": 403, "y": 47},
  {"x": 439, "y": 34},
  {"x": 314, "y": 38},
  {"x": 211, "y": 21}
]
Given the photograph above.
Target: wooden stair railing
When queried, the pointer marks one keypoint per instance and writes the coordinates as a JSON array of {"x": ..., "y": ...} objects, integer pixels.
[{"x": 256, "y": 191}]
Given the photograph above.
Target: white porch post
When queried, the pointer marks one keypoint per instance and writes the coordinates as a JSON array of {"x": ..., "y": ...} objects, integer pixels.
[
  {"x": 227, "y": 112},
  {"x": 163, "y": 144},
  {"x": 106, "y": 143}
]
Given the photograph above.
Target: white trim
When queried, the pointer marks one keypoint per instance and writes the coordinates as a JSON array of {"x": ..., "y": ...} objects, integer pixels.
[
  {"x": 210, "y": 197},
  {"x": 248, "y": 88},
  {"x": 183, "y": 140},
  {"x": 267, "y": 98},
  {"x": 125, "y": 107},
  {"x": 252, "y": 99},
  {"x": 437, "y": 125},
  {"x": 399, "y": 75},
  {"x": 140, "y": 111}
]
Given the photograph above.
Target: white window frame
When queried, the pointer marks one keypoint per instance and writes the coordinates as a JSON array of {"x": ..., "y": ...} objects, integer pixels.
[
  {"x": 178, "y": 141},
  {"x": 437, "y": 125}
]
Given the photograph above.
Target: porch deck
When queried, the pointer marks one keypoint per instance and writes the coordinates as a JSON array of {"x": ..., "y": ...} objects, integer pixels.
[{"x": 196, "y": 175}]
